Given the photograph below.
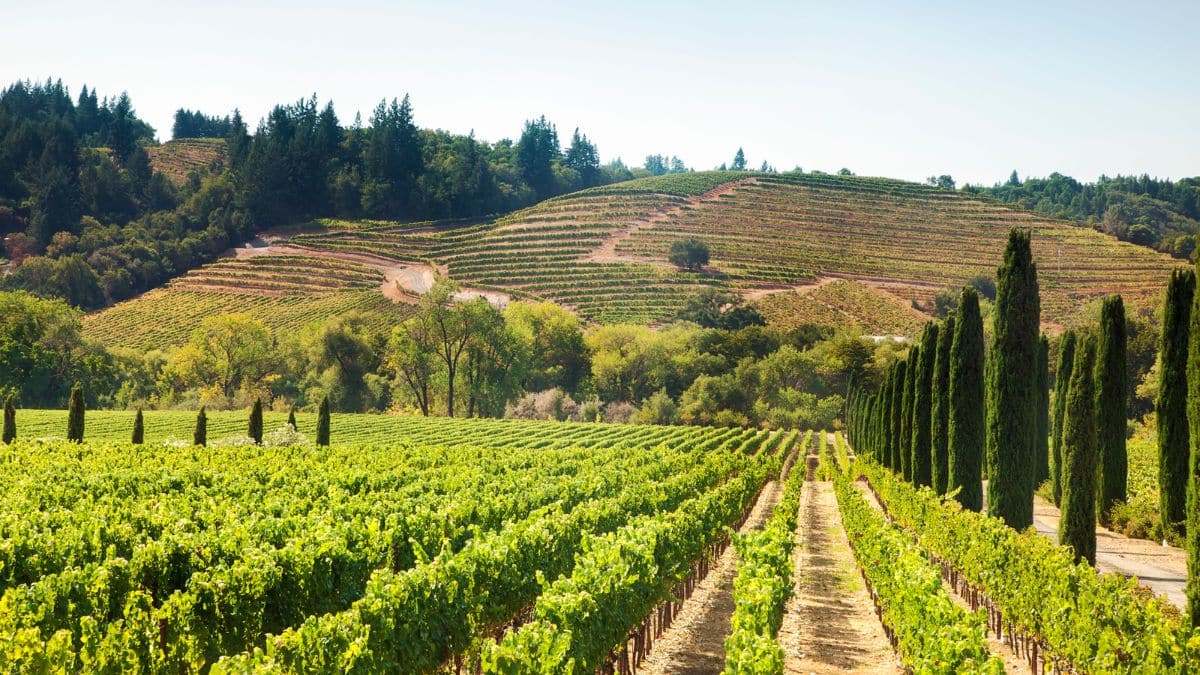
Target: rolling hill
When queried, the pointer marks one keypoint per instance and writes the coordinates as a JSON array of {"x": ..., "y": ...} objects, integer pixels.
[
  {"x": 602, "y": 253},
  {"x": 174, "y": 159}
]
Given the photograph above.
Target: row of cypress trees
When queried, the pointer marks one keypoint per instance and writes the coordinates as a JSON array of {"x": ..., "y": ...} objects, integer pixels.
[
  {"x": 946, "y": 413},
  {"x": 75, "y": 422}
]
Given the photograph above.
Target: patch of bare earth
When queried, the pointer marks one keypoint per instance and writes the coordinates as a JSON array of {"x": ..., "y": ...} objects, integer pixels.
[
  {"x": 830, "y": 625},
  {"x": 606, "y": 252},
  {"x": 695, "y": 642}
]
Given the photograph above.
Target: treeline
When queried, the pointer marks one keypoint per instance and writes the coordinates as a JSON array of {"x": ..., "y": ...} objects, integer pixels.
[
  {"x": 1161, "y": 214},
  {"x": 84, "y": 217},
  {"x": 195, "y": 124}
]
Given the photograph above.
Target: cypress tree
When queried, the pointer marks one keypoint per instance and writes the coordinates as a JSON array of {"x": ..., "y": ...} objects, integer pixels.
[
  {"x": 883, "y": 432},
  {"x": 200, "y": 433},
  {"x": 1042, "y": 441},
  {"x": 922, "y": 445},
  {"x": 897, "y": 423},
  {"x": 139, "y": 429},
  {"x": 1192, "y": 613},
  {"x": 1110, "y": 407},
  {"x": 1077, "y": 524},
  {"x": 292, "y": 419},
  {"x": 1062, "y": 382},
  {"x": 1170, "y": 404},
  {"x": 10, "y": 420},
  {"x": 323, "y": 423},
  {"x": 75, "y": 416},
  {"x": 968, "y": 429},
  {"x": 911, "y": 375},
  {"x": 1012, "y": 386},
  {"x": 255, "y": 430},
  {"x": 940, "y": 421}
]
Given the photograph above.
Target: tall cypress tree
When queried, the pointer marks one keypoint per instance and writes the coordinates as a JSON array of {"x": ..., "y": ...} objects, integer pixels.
[
  {"x": 897, "y": 423},
  {"x": 75, "y": 416},
  {"x": 1042, "y": 443},
  {"x": 1062, "y": 382},
  {"x": 255, "y": 428},
  {"x": 922, "y": 445},
  {"x": 10, "y": 420},
  {"x": 323, "y": 423},
  {"x": 940, "y": 421},
  {"x": 292, "y": 420},
  {"x": 883, "y": 433},
  {"x": 1111, "y": 406},
  {"x": 1012, "y": 386},
  {"x": 200, "y": 433},
  {"x": 1171, "y": 403},
  {"x": 139, "y": 429},
  {"x": 911, "y": 376},
  {"x": 968, "y": 428},
  {"x": 1193, "y": 487},
  {"x": 1077, "y": 524}
]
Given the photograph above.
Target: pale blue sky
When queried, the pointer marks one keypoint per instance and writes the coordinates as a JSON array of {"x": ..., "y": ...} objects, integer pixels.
[{"x": 885, "y": 88}]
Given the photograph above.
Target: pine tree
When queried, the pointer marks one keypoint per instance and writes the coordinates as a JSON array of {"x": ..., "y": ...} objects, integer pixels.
[
  {"x": 968, "y": 427},
  {"x": 1042, "y": 443},
  {"x": 292, "y": 420},
  {"x": 1171, "y": 403},
  {"x": 75, "y": 416},
  {"x": 1113, "y": 468},
  {"x": 1077, "y": 524},
  {"x": 10, "y": 420},
  {"x": 911, "y": 375},
  {"x": 1012, "y": 386},
  {"x": 323, "y": 423},
  {"x": 1062, "y": 382},
  {"x": 897, "y": 422},
  {"x": 922, "y": 445},
  {"x": 139, "y": 429},
  {"x": 200, "y": 433},
  {"x": 940, "y": 420},
  {"x": 255, "y": 430}
]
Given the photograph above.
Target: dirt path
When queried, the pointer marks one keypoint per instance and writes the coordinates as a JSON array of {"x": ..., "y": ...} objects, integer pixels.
[
  {"x": 695, "y": 642},
  {"x": 1162, "y": 569},
  {"x": 402, "y": 282},
  {"x": 830, "y": 624},
  {"x": 606, "y": 252}
]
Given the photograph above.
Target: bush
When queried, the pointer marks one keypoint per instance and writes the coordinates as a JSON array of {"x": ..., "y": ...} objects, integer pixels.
[{"x": 689, "y": 253}]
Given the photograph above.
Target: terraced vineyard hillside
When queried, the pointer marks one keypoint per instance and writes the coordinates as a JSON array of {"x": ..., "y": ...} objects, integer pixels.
[{"x": 174, "y": 159}]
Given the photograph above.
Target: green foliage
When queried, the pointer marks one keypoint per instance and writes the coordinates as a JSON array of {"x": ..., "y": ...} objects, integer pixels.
[
  {"x": 75, "y": 415},
  {"x": 1062, "y": 380},
  {"x": 200, "y": 432},
  {"x": 323, "y": 423},
  {"x": 1111, "y": 395},
  {"x": 690, "y": 253},
  {"x": 1012, "y": 386},
  {"x": 967, "y": 435},
  {"x": 896, "y": 429},
  {"x": 940, "y": 419},
  {"x": 908, "y": 414},
  {"x": 922, "y": 438},
  {"x": 1077, "y": 526},
  {"x": 1171, "y": 404},
  {"x": 10, "y": 420},
  {"x": 139, "y": 429},
  {"x": 255, "y": 427},
  {"x": 1042, "y": 437},
  {"x": 292, "y": 420},
  {"x": 715, "y": 308}
]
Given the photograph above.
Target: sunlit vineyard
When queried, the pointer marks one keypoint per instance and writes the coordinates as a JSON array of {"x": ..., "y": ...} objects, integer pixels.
[
  {"x": 174, "y": 159},
  {"x": 843, "y": 304}
]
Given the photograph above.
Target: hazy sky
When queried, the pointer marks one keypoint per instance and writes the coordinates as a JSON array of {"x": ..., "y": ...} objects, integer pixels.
[{"x": 883, "y": 88}]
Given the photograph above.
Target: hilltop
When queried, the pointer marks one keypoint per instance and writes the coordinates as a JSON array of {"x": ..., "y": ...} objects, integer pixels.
[{"x": 775, "y": 238}]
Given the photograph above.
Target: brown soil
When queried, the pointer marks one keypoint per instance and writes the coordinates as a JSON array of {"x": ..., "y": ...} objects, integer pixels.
[
  {"x": 606, "y": 252},
  {"x": 695, "y": 642},
  {"x": 830, "y": 625}
]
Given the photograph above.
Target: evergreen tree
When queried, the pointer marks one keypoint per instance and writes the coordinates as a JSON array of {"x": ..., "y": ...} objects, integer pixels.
[
  {"x": 1193, "y": 486},
  {"x": 75, "y": 416},
  {"x": 1113, "y": 467},
  {"x": 968, "y": 428},
  {"x": 323, "y": 423},
  {"x": 1062, "y": 382},
  {"x": 10, "y": 420},
  {"x": 584, "y": 159},
  {"x": 292, "y": 420},
  {"x": 1077, "y": 525},
  {"x": 200, "y": 433},
  {"x": 139, "y": 429},
  {"x": 907, "y": 415},
  {"x": 1042, "y": 443},
  {"x": 1171, "y": 403},
  {"x": 1012, "y": 386},
  {"x": 940, "y": 420},
  {"x": 537, "y": 150},
  {"x": 897, "y": 423},
  {"x": 922, "y": 445},
  {"x": 739, "y": 161},
  {"x": 255, "y": 430}
]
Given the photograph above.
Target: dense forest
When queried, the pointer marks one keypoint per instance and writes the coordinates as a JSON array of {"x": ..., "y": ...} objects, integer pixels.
[
  {"x": 1160, "y": 214},
  {"x": 85, "y": 218}
]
